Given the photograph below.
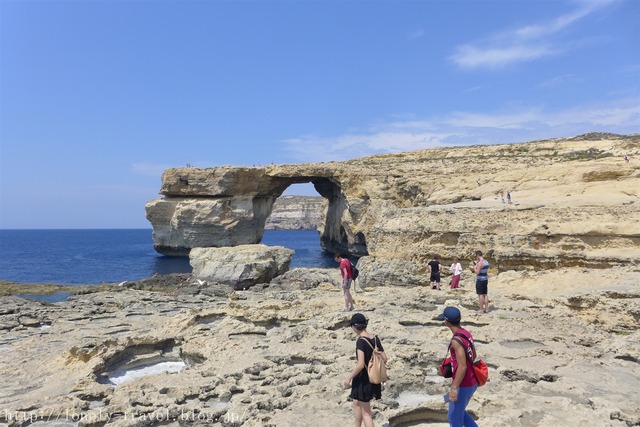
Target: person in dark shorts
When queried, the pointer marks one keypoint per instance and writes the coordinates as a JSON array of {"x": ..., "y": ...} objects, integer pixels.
[
  {"x": 434, "y": 268},
  {"x": 362, "y": 391},
  {"x": 481, "y": 269}
]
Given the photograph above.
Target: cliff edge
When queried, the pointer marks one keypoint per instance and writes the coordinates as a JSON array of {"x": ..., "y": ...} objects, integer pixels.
[{"x": 537, "y": 205}]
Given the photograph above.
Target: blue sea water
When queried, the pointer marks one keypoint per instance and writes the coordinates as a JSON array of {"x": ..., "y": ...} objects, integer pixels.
[{"x": 81, "y": 257}]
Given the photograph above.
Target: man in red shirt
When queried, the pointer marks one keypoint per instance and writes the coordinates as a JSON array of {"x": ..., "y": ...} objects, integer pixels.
[
  {"x": 464, "y": 382},
  {"x": 345, "y": 271}
]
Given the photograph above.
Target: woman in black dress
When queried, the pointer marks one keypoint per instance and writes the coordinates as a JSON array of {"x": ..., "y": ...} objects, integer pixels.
[{"x": 362, "y": 391}]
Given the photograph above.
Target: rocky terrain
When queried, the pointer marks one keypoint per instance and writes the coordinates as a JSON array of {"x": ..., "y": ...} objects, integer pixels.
[
  {"x": 296, "y": 213},
  {"x": 562, "y": 346},
  {"x": 574, "y": 202},
  {"x": 244, "y": 342}
]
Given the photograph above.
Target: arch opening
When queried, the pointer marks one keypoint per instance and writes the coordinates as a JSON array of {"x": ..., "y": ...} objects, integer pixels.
[{"x": 333, "y": 235}]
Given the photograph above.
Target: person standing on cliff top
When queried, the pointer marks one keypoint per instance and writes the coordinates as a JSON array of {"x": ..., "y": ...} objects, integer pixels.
[
  {"x": 434, "y": 268},
  {"x": 345, "y": 271},
  {"x": 481, "y": 269}
]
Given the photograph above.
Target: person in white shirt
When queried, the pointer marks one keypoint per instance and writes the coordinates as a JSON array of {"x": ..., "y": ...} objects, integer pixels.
[{"x": 456, "y": 271}]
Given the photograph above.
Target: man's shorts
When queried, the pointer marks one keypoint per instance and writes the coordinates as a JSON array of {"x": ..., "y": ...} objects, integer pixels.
[
  {"x": 346, "y": 283},
  {"x": 482, "y": 287},
  {"x": 435, "y": 277}
]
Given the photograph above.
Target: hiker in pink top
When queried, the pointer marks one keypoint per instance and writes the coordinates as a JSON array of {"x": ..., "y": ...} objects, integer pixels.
[
  {"x": 464, "y": 382},
  {"x": 345, "y": 271}
]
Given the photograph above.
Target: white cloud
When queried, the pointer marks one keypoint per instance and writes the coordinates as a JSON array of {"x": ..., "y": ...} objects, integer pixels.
[
  {"x": 473, "y": 57},
  {"x": 518, "y": 120},
  {"x": 469, "y": 127},
  {"x": 612, "y": 116},
  {"x": 560, "y": 23},
  {"x": 473, "y": 89},
  {"x": 560, "y": 81},
  {"x": 527, "y": 43},
  {"x": 348, "y": 146},
  {"x": 416, "y": 34}
]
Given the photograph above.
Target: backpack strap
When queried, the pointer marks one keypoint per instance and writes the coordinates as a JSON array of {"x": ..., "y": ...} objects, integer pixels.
[
  {"x": 374, "y": 342},
  {"x": 473, "y": 347}
]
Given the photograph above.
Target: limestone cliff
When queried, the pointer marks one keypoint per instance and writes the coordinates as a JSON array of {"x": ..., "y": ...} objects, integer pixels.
[
  {"x": 574, "y": 202},
  {"x": 296, "y": 213}
]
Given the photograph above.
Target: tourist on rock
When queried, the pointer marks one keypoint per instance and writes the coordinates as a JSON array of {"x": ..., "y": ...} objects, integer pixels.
[
  {"x": 456, "y": 271},
  {"x": 481, "y": 269},
  {"x": 345, "y": 271},
  {"x": 464, "y": 382},
  {"x": 434, "y": 268},
  {"x": 362, "y": 391},
  {"x": 508, "y": 197}
]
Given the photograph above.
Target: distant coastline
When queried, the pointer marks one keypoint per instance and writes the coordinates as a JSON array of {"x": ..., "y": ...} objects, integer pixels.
[{"x": 296, "y": 213}]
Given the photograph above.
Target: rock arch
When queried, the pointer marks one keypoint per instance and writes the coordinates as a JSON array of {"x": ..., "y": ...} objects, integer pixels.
[
  {"x": 229, "y": 206},
  {"x": 400, "y": 208}
]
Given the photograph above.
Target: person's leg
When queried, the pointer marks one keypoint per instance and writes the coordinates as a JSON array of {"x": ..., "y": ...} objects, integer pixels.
[
  {"x": 358, "y": 411},
  {"x": 457, "y": 415},
  {"x": 484, "y": 306},
  {"x": 468, "y": 421},
  {"x": 479, "y": 293},
  {"x": 464, "y": 395},
  {"x": 350, "y": 299},
  {"x": 367, "y": 417}
]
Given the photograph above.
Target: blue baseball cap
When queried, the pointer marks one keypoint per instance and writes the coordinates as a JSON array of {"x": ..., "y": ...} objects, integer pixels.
[{"x": 451, "y": 314}]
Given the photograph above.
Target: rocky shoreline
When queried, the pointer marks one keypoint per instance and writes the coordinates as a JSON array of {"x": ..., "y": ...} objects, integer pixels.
[
  {"x": 244, "y": 341},
  {"x": 562, "y": 347}
]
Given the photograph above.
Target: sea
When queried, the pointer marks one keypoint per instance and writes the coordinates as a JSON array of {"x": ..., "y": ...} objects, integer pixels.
[{"x": 85, "y": 257}]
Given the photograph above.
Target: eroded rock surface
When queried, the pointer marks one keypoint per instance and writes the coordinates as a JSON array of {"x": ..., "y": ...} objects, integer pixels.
[
  {"x": 562, "y": 346},
  {"x": 241, "y": 266},
  {"x": 574, "y": 202}
]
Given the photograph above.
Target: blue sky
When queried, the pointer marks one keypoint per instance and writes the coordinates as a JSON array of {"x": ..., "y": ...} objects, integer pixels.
[{"x": 99, "y": 97}]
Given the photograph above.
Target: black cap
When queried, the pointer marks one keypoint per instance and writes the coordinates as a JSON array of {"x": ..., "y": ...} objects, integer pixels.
[{"x": 358, "y": 319}]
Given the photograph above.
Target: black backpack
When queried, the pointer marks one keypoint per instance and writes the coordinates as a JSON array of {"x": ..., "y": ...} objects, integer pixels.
[{"x": 354, "y": 271}]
